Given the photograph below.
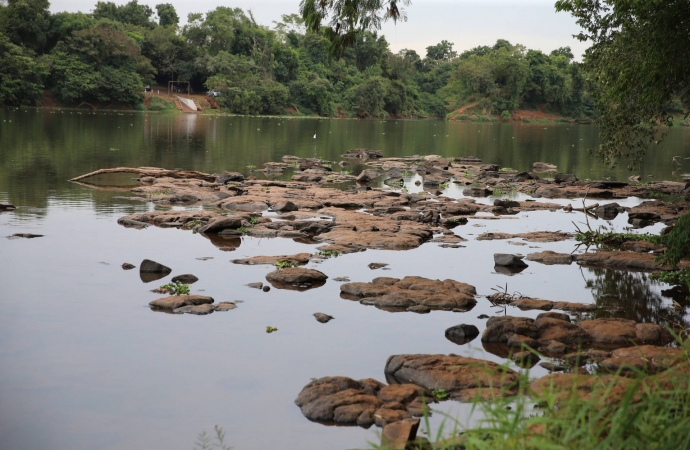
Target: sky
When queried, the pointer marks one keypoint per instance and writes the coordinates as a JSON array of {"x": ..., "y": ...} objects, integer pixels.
[{"x": 466, "y": 23}]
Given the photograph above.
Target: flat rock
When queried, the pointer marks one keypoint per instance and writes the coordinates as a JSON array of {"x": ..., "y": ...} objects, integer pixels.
[
  {"x": 375, "y": 265},
  {"x": 128, "y": 266},
  {"x": 299, "y": 258},
  {"x": 461, "y": 377},
  {"x": 625, "y": 333},
  {"x": 533, "y": 303},
  {"x": 323, "y": 318},
  {"x": 26, "y": 235},
  {"x": 148, "y": 266},
  {"x": 178, "y": 301},
  {"x": 199, "y": 310},
  {"x": 186, "y": 278},
  {"x": 397, "y": 435},
  {"x": 257, "y": 285},
  {"x": 224, "y": 306},
  {"x": 534, "y": 236},
  {"x": 550, "y": 257},
  {"x": 402, "y": 294},
  {"x": 647, "y": 358}
]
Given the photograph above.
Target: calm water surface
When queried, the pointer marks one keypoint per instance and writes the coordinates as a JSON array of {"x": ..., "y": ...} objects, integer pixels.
[{"x": 85, "y": 364}]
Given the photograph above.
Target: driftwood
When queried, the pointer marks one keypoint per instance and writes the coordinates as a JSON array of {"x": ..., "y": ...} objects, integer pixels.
[{"x": 152, "y": 172}]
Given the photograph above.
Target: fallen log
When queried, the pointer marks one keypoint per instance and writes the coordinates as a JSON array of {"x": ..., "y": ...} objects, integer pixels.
[{"x": 152, "y": 172}]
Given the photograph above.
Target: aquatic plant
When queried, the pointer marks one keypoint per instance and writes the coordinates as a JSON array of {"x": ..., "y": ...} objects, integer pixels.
[
  {"x": 439, "y": 394},
  {"x": 673, "y": 277},
  {"x": 270, "y": 329},
  {"x": 253, "y": 220},
  {"x": 244, "y": 230},
  {"x": 205, "y": 442},
  {"x": 193, "y": 223},
  {"x": 329, "y": 254},
  {"x": 285, "y": 264},
  {"x": 176, "y": 288},
  {"x": 444, "y": 185},
  {"x": 506, "y": 169}
]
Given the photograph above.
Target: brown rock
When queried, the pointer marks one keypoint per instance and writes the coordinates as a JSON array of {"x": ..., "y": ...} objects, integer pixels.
[
  {"x": 625, "y": 333},
  {"x": 199, "y": 310},
  {"x": 299, "y": 258},
  {"x": 396, "y": 435},
  {"x": 533, "y": 303},
  {"x": 500, "y": 329},
  {"x": 648, "y": 358},
  {"x": 296, "y": 276},
  {"x": 177, "y": 301}
]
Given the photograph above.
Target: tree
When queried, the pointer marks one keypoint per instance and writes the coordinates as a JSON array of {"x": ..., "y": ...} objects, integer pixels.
[
  {"x": 26, "y": 23},
  {"x": 167, "y": 15},
  {"x": 21, "y": 78},
  {"x": 131, "y": 13},
  {"x": 442, "y": 51},
  {"x": 639, "y": 61},
  {"x": 342, "y": 20}
]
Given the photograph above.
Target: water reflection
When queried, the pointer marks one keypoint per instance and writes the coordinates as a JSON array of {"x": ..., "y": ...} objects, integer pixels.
[{"x": 632, "y": 295}]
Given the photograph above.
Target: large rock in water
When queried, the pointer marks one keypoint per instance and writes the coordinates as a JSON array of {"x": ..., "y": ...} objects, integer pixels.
[
  {"x": 395, "y": 294},
  {"x": 463, "y": 378},
  {"x": 178, "y": 301},
  {"x": 345, "y": 401},
  {"x": 186, "y": 278},
  {"x": 625, "y": 333},
  {"x": 506, "y": 259},
  {"x": 148, "y": 266},
  {"x": 296, "y": 278},
  {"x": 462, "y": 334}
]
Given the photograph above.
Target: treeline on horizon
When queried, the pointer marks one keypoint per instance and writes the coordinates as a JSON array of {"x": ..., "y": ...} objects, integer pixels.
[{"x": 108, "y": 56}]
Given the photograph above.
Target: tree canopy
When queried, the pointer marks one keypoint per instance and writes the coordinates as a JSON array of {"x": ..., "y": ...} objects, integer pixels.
[{"x": 640, "y": 63}]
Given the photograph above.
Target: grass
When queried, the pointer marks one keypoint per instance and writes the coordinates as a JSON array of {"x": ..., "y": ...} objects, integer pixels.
[
  {"x": 161, "y": 104},
  {"x": 244, "y": 230},
  {"x": 506, "y": 169},
  {"x": 206, "y": 442},
  {"x": 176, "y": 288},
  {"x": 193, "y": 224},
  {"x": 329, "y": 254},
  {"x": 285, "y": 264},
  {"x": 614, "y": 412},
  {"x": 444, "y": 185}
]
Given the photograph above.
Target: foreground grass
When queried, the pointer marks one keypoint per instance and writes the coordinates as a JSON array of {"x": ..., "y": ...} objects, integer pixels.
[{"x": 608, "y": 412}]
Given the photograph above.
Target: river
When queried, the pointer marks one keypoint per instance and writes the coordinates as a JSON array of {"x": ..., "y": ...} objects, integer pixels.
[{"x": 87, "y": 365}]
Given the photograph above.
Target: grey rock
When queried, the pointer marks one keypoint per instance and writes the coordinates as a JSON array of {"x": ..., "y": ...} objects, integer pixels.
[
  {"x": 285, "y": 207},
  {"x": 266, "y": 288},
  {"x": 226, "y": 177},
  {"x": 462, "y": 334},
  {"x": 323, "y": 318},
  {"x": 224, "y": 306},
  {"x": 375, "y": 265},
  {"x": 257, "y": 285},
  {"x": 186, "y": 278},
  {"x": 149, "y": 266},
  {"x": 199, "y": 310},
  {"x": 564, "y": 178},
  {"x": 506, "y": 203},
  {"x": 128, "y": 266},
  {"x": 506, "y": 259}
]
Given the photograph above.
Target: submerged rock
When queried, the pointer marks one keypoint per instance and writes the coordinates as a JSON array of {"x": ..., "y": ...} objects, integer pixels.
[
  {"x": 375, "y": 265},
  {"x": 26, "y": 235},
  {"x": 178, "y": 301},
  {"x": 186, "y": 278},
  {"x": 506, "y": 259},
  {"x": 299, "y": 258},
  {"x": 128, "y": 266},
  {"x": 7, "y": 207},
  {"x": 462, "y": 334}
]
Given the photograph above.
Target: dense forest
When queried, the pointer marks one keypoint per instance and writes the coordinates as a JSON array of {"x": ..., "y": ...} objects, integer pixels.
[{"x": 107, "y": 57}]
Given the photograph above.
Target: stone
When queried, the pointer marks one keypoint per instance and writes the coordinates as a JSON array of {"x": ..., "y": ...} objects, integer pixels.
[
  {"x": 366, "y": 176},
  {"x": 299, "y": 259},
  {"x": 199, "y": 310},
  {"x": 500, "y": 328},
  {"x": 542, "y": 166},
  {"x": 323, "y": 318},
  {"x": 224, "y": 306},
  {"x": 564, "y": 178},
  {"x": 647, "y": 358},
  {"x": 552, "y": 367},
  {"x": 7, "y": 207},
  {"x": 552, "y": 329},
  {"x": 462, "y": 334},
  {"x": 128, "y": 266},
  {"x": 457, "y": 375},
  {"x": 525, "y": 357},
  {"x": 186, "y": 278},
  {"x": 550, "y": 257},
  {"x": 575, "y": 307},
  {"x": 625, "y": 333},
  {"x": 285, "y": 207},
  {"x": 532, "y": 303},
  {"x": 375, "y": 265},
  {"x": 505, "y": 259},
  {"x": 608, "y": 211},
  {"x": 533, "y": 236},
  {"x": 226, "y": 177},
  {"x": 177, "y": 301},
  {"x": 266, "y": 288},
  {"x": 396, "y": 435},
  {"x": 148, "y": 266},
  {"x": 26, "y": 235},
  {"x": 296, "y": 278},
  {"x": 506, "y": 203},
  {"x": 554, "y": 315},
  {"x": 520, "y": 341},
  {"x": 257, "y": 285}
]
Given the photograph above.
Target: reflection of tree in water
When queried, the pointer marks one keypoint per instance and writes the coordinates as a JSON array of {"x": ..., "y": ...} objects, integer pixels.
[{"x": 632, "y": 295}]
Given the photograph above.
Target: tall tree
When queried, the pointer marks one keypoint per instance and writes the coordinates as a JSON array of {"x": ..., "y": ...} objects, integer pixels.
[
  {"x": 167, "y": 15},
  {"x": 639, "y": 61},
  {"x": 26, "y": 23}
]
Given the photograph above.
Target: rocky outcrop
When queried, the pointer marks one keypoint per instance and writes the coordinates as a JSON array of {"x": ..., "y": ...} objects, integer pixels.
[
  {"x": 345, "y": 401},
  {"x": 613, "y": 259},
  {"x": 148, "y": 266},
  {"x": 463, "y": 378},
  {"x": 552, "y": 327},
  {"x": 647, "y": 358},
  {"x": 395, "y": 294}
]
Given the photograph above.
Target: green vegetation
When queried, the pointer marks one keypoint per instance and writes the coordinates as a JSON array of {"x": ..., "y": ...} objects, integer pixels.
[
  {"x": 673, "y": 277},
  {"x": 244, "y": 230},
  {"x": 439, "y": 394},
  {"x": 444, "y": 185},
  {"x": 676, "y": 241},
  {"x": 194, "y": 223},
  {"x": 270, "y": 329},
  {"x": 329, "y": 254},
  {"x": 609, "y": 240},
  {"x": 285, "y": 264},
  {"x": 106, "y": 57},
  {"x": 176, "y": 288},
  {"x": 161, "y": 104},
  {"x": 639, "y": 62}
]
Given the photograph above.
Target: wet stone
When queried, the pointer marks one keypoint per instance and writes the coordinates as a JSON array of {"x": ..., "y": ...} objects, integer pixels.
[
  {"x": 128, "y": 266},
  {"x": 257, "y": 285},
  {"x": 266, "y": 288},
  {"x": 199, "y": 310},
  {"x": 323, "y": 318},
  {"x": 506, "y": 259},
  {"x": 375, "y": 265},
  {"x": 149, "y": 266},
  {"x": 462, "y": 334},
  {"x": 186, "y": 278}
]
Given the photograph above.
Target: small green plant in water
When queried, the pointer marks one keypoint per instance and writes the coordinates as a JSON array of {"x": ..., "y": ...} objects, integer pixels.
[
  {"x": 253, "y": 220},
  {"x": 176, "y": 288},
  {"x": 407, "y": 173},
  {"x": 244, "y": 230},
  {"x": 193, "y": 223},
  {"x": 506, "y": 169},
  {"x": 444, "y": 185},
  {"x": 285, "y": 264},
  {"x": 206, "y": 442},
  {"x": 270, "y": 329},
  {"x": 439, "y": 394},
  {"x": 345, "y": 172},
  {"x": 250, "y": 166},
  {"x": 498, "y": 191},
  {"x": 329, "y": 254}
]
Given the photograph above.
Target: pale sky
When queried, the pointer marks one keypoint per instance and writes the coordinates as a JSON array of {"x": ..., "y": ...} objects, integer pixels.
[{"x": 467, "y": 23}]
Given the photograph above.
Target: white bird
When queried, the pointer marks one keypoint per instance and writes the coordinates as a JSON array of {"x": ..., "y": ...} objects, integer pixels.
[{"x": 314, "y": 135}]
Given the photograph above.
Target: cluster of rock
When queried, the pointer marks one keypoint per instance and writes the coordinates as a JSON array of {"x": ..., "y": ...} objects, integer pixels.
[
  {"x": 637, "y": 258},
  {"x": 191, "y": 304},
  {"x": 412, "y": 293}
]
